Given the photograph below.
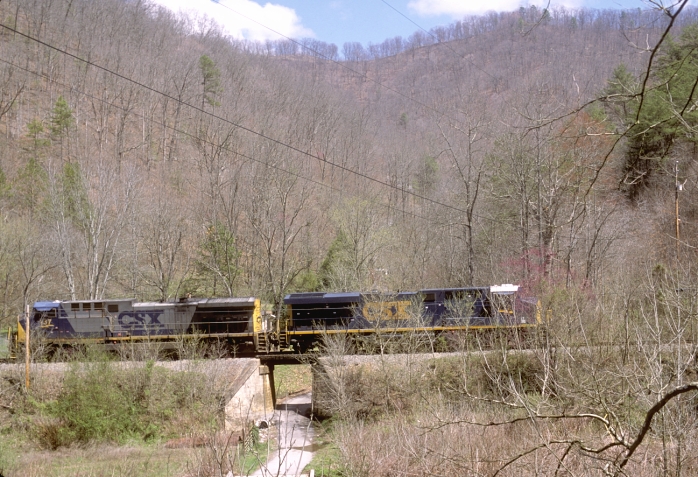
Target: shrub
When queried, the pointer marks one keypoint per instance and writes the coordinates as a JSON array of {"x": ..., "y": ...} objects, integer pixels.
[
  {"x": 95, "y": 406},
  {"x": 105, "y": 402}
]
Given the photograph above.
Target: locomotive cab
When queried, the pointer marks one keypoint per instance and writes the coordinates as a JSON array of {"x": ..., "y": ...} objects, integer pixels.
[
  {"x": 44, "y": 316},
  {"x": 503, "y": 300},
  {"x": 457, "y": 307}
]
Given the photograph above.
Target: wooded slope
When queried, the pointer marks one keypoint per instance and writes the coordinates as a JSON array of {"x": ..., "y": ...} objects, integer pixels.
[{"x": 147, "y": 155}]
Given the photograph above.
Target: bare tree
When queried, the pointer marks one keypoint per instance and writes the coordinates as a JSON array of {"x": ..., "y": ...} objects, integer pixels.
[
  {"x": 163, "y": 235},
  {"x": 278, "y": 217},
  {"x": 462, "y": 140}
]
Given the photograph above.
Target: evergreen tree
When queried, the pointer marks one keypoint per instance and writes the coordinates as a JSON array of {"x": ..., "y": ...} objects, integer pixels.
[
  {"x": 211, "y": 80},
  {"x": 336, "y": 264},
  {"x": 427, "y": 176},
  {"x": 75, "y": 199},
  {"x": 30, "y": 183},
  {"x": 4, "y": 185},
  {"x": 61, "y": 118},
  {"x": 35, "y": 130},
  {"x": 667, "y": 111},
  {"x": 30, "y": 186}
]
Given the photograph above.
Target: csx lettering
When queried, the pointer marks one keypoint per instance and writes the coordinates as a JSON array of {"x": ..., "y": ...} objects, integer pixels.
[{"x": 140, "y": 318}]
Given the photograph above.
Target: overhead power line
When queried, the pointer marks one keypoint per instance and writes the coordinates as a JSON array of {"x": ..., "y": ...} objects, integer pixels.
[
  {"x": 362, "y": 75},
  {"x": 462, "y": 57},
  {"x": 227, "y": 121},
  {"x": 198, "y": 138}
]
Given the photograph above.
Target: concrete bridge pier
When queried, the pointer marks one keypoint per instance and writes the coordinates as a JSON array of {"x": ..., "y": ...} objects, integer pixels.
[{"x": 251, "y": 397}]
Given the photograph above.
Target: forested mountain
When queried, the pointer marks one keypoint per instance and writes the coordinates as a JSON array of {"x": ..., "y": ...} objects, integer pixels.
[{"x": 149, "y": 156}]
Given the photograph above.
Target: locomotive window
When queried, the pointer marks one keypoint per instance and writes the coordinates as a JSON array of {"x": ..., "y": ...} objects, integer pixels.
[
  {"x": 430, "y": 298},
  {"x": 113, "y": 308},
  {"x": 99, "y": 306},
  {"x": 75, "y": 306}
]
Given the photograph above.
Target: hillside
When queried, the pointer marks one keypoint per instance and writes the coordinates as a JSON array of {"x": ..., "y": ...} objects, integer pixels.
[{"x": 144, "y": 155}]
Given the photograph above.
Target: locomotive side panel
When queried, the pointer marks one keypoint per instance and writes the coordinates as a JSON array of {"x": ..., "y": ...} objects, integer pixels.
[
  {"x": 459, "y": 307},
  {"x": 78, "y": 319},
  {"x": 391, "y": 311},
  {"x": 226, "y": 315},
  {"x": 145, "y": 319},
  {"x": 320, "y": 311}
]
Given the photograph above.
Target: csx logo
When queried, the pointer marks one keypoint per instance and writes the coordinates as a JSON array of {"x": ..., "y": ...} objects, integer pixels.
[
  {"x": 390, "y": 310},
  {"x": 140, "y": 319}
]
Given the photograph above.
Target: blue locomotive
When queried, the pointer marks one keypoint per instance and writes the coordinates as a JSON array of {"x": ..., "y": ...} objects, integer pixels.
[{"x": 436, "y": 310}]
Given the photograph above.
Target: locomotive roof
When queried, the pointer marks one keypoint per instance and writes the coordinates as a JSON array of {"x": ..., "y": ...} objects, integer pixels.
[
  {"x": 49, "y": 305},
  {"x": 389, "y": 295},
  {"x": 201, "y": 302},
  {"x": 506, "y": 288},
  {"x": 103, "y": 300},
  {"x": 433, "y": 290},
  {"x": 228, "y": 301},
  {"x": 343, "y": 297},
  {"x": 501, "y": 289},
  {"x": 46, "y": 305},
  {"x": 152, "y": 304},
  {"x": 319, "y": 297}
]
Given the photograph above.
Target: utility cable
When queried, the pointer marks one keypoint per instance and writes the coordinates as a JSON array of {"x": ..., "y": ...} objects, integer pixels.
[
  {"x": 272, "y": 166},
  {"x": 343, "y": 65},
  {"x": 462, "y": 57},
  {"x": 193, "y": 136},
  {"x": 227, "y": 121}
]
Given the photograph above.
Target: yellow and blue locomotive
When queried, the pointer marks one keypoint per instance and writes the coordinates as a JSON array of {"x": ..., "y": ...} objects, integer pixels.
[
  {"x": 306, "y": 317},
  {"x": 435, "y": 310}
]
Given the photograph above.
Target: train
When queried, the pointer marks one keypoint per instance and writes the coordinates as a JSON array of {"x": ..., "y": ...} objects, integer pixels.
[{"x": 248, "y": 328}]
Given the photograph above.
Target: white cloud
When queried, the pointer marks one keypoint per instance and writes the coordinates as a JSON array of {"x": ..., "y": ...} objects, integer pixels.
[
  {"x": 460, "y": 8},
  {"x": 237, "y": 17}
]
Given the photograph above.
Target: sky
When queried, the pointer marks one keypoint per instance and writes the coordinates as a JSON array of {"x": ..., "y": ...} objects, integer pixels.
[{"x": 363, "y": 21}]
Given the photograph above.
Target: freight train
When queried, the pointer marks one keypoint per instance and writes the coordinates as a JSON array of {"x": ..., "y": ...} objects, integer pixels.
[{"x": 244, "y": 326}]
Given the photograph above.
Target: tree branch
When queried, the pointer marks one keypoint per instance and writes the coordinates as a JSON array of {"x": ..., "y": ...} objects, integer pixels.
[{"x": 693, "y": 386}]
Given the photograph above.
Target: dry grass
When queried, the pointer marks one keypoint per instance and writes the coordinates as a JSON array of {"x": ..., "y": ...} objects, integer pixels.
[
  {"x": 435, "y": 442},
  {"x": 117, "y": 461},
  {"x": 509, "y": 414}
]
